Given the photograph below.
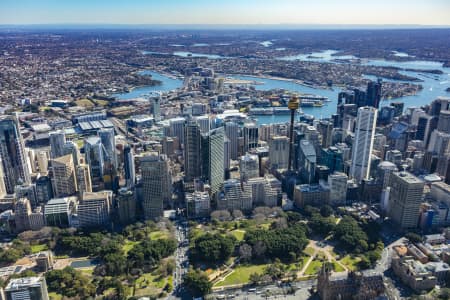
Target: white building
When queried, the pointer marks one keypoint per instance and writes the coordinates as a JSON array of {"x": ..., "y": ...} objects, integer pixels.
[{"x": 363, "y": 143}]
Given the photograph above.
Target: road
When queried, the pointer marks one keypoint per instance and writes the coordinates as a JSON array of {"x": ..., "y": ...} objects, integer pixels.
[
  {"x": 268, "y": 292},
  {"x": 181, "y": 258}
]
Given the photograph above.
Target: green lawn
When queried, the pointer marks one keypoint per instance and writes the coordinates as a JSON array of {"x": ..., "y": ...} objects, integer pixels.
[
  {"x": 241, "y": 275},
  {"x": 310, "y": 251},
  {"x": 337, "y": 267},
  {"x": 150, "y": 284},
  {"x": 156, "y": 235},
  {"x": 54, "y": 296},
  {"x": 313, "y": 267},
  {"x": 238, "y": 234},
  {"x": 128, "y": 246},
  {"x": 38, "y": 248},
  {"x": 351, "y": 262}
]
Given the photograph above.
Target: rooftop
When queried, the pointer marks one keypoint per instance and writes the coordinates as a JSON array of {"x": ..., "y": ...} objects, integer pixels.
[{"x": 20, "y": 283}]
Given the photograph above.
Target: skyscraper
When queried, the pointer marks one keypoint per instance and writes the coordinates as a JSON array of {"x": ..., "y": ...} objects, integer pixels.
[
  {"x": 405, "y": 198},
  {"x": 156, "y": 107},
  {"x": 94, "y": 153},
  {"x": 34, "y": 288},
  {"x": 232, "y": 133},
  {"x": 192, "y": 159},
  {"x": 72, "y": 149},
  {"x": 126, "y": 205},
  {"x": 374, "y": 93},
  {"x": 363, "y": 143},
  {"x": 107, "y": 137},
  {"x": 213, "y": 158},
  {"x": 44, "y": 191},
  {"x": 279, "y": 152},
  {"x": 156, "y": 184},
  {"x": 15, "y": 168},
  {"x": 57, "y": 142},
  {"x": 249, "y": 166},
  {"x": 251, "y": 137},
  {"x": 129, "y": 169},
  {"x": 94, "y": 209},
  {"x": 64, "y": 180},
  {"x": 83, "y": 175}
]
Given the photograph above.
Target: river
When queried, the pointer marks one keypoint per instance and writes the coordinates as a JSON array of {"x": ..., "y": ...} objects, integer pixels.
[{"x": 433, "y": 85}]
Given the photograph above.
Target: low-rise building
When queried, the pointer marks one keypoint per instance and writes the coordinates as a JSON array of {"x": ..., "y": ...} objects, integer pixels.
[{"x": 413, "y": 273}]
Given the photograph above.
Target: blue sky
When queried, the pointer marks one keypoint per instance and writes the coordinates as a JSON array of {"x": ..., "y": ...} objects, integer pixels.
[{"x": 418, "y": 12}]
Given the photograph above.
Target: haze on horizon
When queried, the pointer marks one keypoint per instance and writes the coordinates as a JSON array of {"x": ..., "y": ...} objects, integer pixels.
[{"x": 226, "y": 12}]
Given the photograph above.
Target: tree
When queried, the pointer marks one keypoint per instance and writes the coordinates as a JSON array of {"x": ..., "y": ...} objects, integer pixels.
[
  {"x": 413, "y": 237},
  {"x": 245, "y": 252},
  {"x": 351, "y": 235},
  {"x": 70, "y": 283},
  {"x": 213, "y": 248},
  {"x": 197, "y": 283},
  {"x": 326, "y": 211},
  {"x": 221, "y": 215},
  {"x": 237, "y": 214}
]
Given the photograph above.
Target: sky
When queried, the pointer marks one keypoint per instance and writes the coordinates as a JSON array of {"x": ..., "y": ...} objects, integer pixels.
[{"x": 226, "y": 12}]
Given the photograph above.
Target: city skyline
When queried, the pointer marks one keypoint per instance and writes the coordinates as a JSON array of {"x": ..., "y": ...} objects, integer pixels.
[{"x": 199, "y": 12}]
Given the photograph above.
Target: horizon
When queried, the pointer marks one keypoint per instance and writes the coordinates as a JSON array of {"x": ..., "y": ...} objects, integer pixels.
[{"x": 413, "y": 13}]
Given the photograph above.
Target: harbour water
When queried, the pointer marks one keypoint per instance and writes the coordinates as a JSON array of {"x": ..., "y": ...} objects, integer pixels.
[
  {"x": 167, "y": 84},
  {"x": 434, "y": 85}
]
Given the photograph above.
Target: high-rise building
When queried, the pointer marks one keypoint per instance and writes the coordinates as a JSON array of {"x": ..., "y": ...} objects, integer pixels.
[
  {"x": 192, "y": 158},
  {"x": 249, "y": 166},
  {"x": 232, "y": 133},
  {"x": 338, "y": 188},
  {"x": 307, "y": 161},
  {"x": 177, "y": 128},
  {"x": 126, "y": 205},
  {"x": 250, "y": 132},
  {"x": 58, "y": 212},
  {"x": 44, "y": 190},
  {"x": 83, "y": 179},
  {"x": 156, "y": 107},
  {"x": 374, "y": 93},
  {"x": 129, "y": 168},
  {"x": 325, "y": 129},
  {"x": 156, "y": 184},
  {"x": 203, "y": 123},
  {"x": 22, "y": 210},
  {"x": 198, "y": 204},
  {"x": 235, "y": 197},
  {"x": 72, "y": 149},
  {"x": 262, "y": 191},
  {"x": 57, "y": 142},
  {"x": 95, "y": 157},
  {"x": 444, "y": 121},
  {"x": 279, "y": 152},
  {"x": 213, "y": 158},
  {"x": 27, "y": 288},
  {"x": 64, "y": 179},
  {"x": 333, "y": 158},
  {"x": 94, "y": 209},
  {"x": 406, "y": 191},
  {"x": 363, "y": 143},
  {"x": 12, "y": 153},
  {"x": 108, "y": 141}
]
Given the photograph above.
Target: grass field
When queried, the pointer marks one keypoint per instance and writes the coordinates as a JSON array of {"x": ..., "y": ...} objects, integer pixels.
[
  {"x": 101, "y": 102},
  {"x": 238, "y": 234},
  {"x": 337, "y": 267},
  {"x": 313, "y": 267},
  {"x": 241, "y": 275},
  {"x": 54, "y": 296},
  {"x": 38, "y": 248},
  {"x": 310, "y": 251},
  {"x": 85, "y": 103},
  {"x": 129, "y": 245},
  {"x": 350, "y": 262},
  {"x": 156, "y": 235},
  {"x": 150, "y": 284}
]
